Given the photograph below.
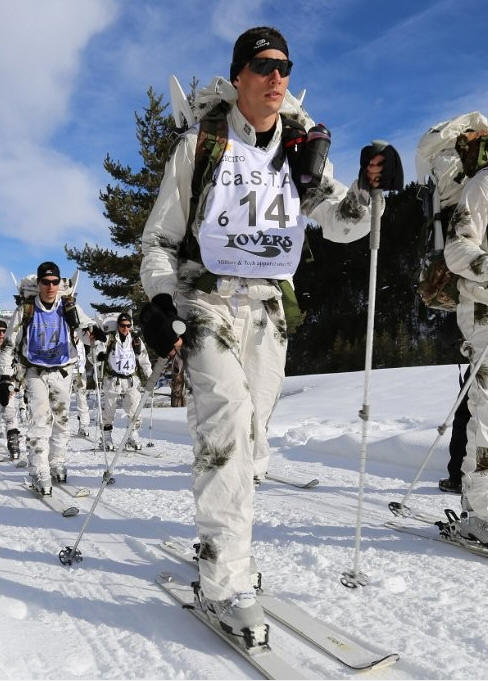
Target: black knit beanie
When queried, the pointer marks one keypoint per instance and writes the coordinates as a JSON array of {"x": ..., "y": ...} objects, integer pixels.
[
  {"x": 47, "y": 268},
  {"x": 253, "y": 41}
]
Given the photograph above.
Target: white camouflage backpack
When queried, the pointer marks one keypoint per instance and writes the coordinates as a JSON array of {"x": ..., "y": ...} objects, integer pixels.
[
  {"x": 107, "y": 321},
  {"x": 441, "y": 175}
]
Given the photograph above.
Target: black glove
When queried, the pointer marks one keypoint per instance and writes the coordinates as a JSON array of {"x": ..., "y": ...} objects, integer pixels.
[
  {"x": 6, "y": 389},
  {"x": 101, "y": 357},
  {"x": 392, "y": 171},
  {"x": 156, "y": 324},
  {"x": 98, "y": 334}
]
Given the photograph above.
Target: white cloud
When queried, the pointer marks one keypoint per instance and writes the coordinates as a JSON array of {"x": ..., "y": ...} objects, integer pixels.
[
  {"x": 44, "y": 194},
  {"x": 47, "y": 197},
  {"x": 230, "y": 18},
  {"x": 40, "y": 50}
]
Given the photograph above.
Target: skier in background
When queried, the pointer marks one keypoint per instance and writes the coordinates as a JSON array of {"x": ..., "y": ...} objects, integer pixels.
[
  {"x": 124, "y": 356},
  {"x": 466, "y": 255},
  {"x": 79, "y": 387},
  {"x": 9, "y": 411},
  {"x": 238, "y": 316},
  {"x": 457, "y": 444},
  {"x": 41, "y": 335}
]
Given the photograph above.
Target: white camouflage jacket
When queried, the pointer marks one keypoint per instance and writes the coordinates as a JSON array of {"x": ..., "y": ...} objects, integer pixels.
[
  {"x": 466, "y": 250},
  {"x": 344, "y": 215}
]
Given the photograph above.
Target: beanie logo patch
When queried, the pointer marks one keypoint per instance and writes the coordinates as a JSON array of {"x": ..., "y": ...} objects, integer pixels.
[{"x": 261, "y": 43}]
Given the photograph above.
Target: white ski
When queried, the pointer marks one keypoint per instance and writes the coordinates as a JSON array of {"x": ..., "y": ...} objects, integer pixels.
[
  {"x": 72, "y": 490},
  {"x": 461, "y": 543},
  {"x": 52, "y": 503},
  {"x": 293, "y": 483},
  {"x": 21, "y": 462},
  {"x": 402, "y": 511},
  {"x": 324, "y": 636},
  {"x": 272, "y": 665},
  {"x": 182, "y": 112}
]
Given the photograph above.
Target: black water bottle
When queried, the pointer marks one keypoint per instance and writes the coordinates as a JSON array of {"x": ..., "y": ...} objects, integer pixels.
[{"x": 314, "y": 155}]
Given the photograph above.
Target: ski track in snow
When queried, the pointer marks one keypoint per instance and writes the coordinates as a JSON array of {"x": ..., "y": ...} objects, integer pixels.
[{"x": 105, "y": 618}]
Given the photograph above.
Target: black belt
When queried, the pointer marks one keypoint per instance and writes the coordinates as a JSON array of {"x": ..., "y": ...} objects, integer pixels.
[{"x": 61, "y": 370}]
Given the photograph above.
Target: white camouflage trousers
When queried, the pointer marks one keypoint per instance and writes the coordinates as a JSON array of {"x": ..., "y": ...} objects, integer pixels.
[
  {"x": 115, "y": 387},
  {"x": 473, "y": 322},
  {"x": 8, "y": 414},
  {"x": 79, "y": 387},
  {"x": 234, "y": 352},
  {"x": 49, "y": 394}
]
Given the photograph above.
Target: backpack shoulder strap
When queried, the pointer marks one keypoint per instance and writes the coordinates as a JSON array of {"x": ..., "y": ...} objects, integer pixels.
[
  {"x": 212, "y": 140},
  {"x": 28, "y": 305}
]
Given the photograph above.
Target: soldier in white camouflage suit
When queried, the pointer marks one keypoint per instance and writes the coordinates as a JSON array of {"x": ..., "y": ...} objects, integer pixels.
[
  {"x": 79, "y": 388},
  {"x": 232, "y": 288},
  {"x": 124, "y": 356},
  {"x": 9, "y": 412},
  {"x": 41, "y": 335},
  {"x": 466, "y": 254}
]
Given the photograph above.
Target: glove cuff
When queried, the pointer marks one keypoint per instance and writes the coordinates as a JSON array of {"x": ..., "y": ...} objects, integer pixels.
[{"x": 165, "y": 302}]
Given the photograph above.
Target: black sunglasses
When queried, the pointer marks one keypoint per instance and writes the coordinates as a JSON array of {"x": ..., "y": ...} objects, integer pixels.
[
  {"x": 125, "y": 326},
  {"x": 49, "y": 282},
  {"x": 264, "y": 66}
]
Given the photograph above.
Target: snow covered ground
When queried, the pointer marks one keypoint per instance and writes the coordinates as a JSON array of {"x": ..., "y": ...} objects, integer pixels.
[{"x": 107, "y": 619}]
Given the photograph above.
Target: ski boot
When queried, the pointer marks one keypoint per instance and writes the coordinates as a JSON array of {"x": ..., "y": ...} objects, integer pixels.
[
  {"x": 134, "y": 442},
  {"x": 241, "y": 616},
  {"x": 83, "y": 431},
  {"x": 107, "y": 438},
  {"x": 13, "y": 444},
  {"x": 59, "y": 473},
  {"x": 451, "y": 486},
  {"x": 41, "y": 484}
]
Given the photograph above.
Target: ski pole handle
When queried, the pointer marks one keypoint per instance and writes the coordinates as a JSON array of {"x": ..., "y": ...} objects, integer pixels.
[{"x": 179, "y": 327}]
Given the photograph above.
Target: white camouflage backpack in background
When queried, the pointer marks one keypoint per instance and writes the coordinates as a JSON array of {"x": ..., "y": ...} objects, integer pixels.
[
  {"x": 440, "y": 172},
  {"x": 107, "y": 321}
]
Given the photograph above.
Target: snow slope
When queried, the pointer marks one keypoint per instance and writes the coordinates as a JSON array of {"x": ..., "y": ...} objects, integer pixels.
[{"x": 106, "y": 618}]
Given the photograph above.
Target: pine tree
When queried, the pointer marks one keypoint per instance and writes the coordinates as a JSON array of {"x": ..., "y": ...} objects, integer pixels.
[
  {"x": 115, "y": 271},
  {"x": 333, "y": 290}
]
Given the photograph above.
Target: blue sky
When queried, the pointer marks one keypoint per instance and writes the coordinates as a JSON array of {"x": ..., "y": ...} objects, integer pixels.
[{"x": 72, "y": 74}]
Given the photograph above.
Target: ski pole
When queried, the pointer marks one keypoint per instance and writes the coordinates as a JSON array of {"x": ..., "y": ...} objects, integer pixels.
[
  {"x": 355, "y": 578},
  {"x": 71, "y": 554},
  {"x": 151, "y": 444},
  {"x": 400, "y": 508}
]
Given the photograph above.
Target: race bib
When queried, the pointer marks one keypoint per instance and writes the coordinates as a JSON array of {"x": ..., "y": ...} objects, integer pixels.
[
  {"x": 122, "y": 359},
  {"x": 252, "y": 225},
  {"x": 48, "y": 338}
]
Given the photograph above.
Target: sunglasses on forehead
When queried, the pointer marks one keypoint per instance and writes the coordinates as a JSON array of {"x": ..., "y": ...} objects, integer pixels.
[
  {"x": 264, "y": 66},
  {"x": 49, "y": 282}
]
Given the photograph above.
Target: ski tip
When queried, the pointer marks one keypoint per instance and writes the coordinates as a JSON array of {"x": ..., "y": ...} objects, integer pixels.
[
  {"x": 83, "y": 492},
  {"x": 312, "y": 483},
  {"x": 386, "y": 661}
]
